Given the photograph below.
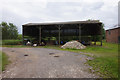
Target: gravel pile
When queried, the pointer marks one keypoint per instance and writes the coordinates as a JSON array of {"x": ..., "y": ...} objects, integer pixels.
[{"x": 73, "y": 45}]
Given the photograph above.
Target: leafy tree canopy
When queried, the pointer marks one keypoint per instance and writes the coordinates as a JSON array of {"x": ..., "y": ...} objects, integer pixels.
[{"x": 9, "y": 30}]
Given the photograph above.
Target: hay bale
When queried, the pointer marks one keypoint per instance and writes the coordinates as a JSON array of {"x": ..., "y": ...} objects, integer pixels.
[{"x": 73, "y": 45}]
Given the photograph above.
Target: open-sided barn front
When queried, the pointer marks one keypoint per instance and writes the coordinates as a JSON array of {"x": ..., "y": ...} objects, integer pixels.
[{"x": 62, "y": 32}]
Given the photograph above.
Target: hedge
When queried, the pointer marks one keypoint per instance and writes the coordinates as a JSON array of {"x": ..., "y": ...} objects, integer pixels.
[{"x": 11, "y": 42}]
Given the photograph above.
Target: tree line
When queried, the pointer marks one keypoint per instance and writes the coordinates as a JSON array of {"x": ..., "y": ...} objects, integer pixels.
[{"x": 9, "y": 30}]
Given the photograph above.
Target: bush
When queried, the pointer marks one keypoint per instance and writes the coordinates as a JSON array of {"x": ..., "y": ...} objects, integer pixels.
[
  {"x": 11, "y": 42},
  {"x": 19, "y": 36}
]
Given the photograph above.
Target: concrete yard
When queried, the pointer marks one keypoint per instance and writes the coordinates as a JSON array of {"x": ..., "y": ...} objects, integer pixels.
[{"x": 45, "y": 63}]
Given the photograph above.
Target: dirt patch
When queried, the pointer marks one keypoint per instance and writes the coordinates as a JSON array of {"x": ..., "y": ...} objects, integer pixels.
[
  {"x": 51, "y": 53},
  {"x": 25, "y": 55},
  {"x": 41, "y": 65},
  {"x": 12, "y": 51},
  {"x": 56, "y": 56}
]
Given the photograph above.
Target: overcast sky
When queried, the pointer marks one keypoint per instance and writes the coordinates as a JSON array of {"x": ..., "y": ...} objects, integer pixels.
[{"x": 24, "y": 11}]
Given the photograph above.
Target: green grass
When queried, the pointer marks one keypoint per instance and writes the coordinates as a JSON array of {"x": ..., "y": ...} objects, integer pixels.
[
  {"x": 105, "y": 57},
  {"x": 0, "y": 61},
  {"x": 3, "y": 60},
  {"x": 16, "y": 46},
  {"x": 106, "y": 66},
  {"x": 11, "y": 42}
]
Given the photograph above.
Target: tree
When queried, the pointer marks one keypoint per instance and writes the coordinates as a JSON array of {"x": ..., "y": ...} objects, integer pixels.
[
  {"x": 5, "y": 32},
  {"x": 103, "y": 31},
  {"x": 13, "y": 31},
  {"x": 9, "y": 31}
]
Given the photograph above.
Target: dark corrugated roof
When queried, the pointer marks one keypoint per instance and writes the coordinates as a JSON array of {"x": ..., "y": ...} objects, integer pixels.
[{"x": 69, "y": 22}]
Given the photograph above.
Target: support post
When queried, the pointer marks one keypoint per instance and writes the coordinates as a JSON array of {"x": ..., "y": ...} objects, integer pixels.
[
  {"x": 101, "y": 42},
  {"x": 79, "y": 32},
  {"x": 59, "y": 30},
  {"x": 101, "y": 34},
  {"x": 22, "y": 35},
  {"x": 101, "y": 37},
  {"x": 59, "y": 27},
  {"x": 40, "y": 35}
]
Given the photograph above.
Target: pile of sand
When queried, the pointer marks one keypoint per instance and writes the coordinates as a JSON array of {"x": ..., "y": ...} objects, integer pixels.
[{"x": 73, "y": 45}]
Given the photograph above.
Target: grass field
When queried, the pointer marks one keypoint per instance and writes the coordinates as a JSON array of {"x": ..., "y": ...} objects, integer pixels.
[
  {"x": 3, "y": 60},
  {"x": 11, "y": 42},
  {"x": 105, "y": 60}
]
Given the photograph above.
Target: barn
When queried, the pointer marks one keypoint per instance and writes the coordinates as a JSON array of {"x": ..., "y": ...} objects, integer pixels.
[
  {"x": 57, "y": 33},
  {"x": 113, "y": 35}
]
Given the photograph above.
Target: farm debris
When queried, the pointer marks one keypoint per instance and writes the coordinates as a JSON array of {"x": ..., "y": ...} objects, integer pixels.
[
  {"x": 73, "y": 45},
  {"x": 34, "y": 45},
  {"x": 28, "y": 43}
]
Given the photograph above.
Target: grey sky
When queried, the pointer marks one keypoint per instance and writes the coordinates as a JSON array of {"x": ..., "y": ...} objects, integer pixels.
[{"x": 23, "y": 11}]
